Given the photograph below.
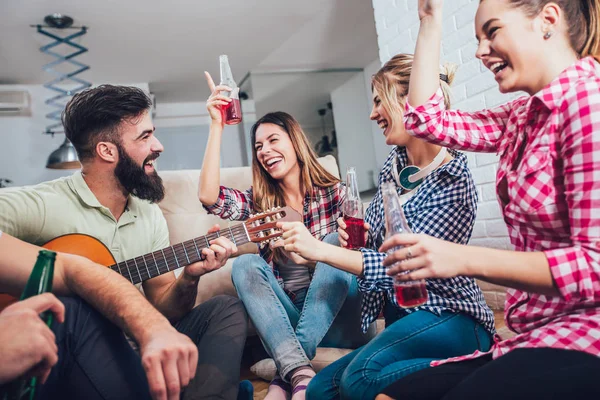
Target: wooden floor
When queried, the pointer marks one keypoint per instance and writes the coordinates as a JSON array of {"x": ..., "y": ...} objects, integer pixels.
[{"x": 260, "y": 386}]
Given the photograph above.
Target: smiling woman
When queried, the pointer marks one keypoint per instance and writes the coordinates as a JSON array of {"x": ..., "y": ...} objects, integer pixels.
[
  {"x": 511, "y": 40},
  {"x": 292, "y": 301},
  {"x": 548, "y": 190}
]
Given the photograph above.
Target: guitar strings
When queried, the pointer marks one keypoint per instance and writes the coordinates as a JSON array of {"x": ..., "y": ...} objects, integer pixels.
[
  {"x": 181, "y": 253},
  {"x": 177, "y": 256}
]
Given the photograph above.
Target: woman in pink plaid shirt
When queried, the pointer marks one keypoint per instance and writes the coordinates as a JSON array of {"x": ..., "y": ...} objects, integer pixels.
[{"x": 548, "y": 186}]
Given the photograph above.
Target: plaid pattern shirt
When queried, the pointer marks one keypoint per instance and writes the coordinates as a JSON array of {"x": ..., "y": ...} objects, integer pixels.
[
  {"x": 443, "y": 206},
  {"x": 548, "y": 186},
  {"x": 322, "y": 208}
]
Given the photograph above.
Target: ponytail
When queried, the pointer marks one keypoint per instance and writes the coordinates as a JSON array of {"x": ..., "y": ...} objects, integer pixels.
[{"x": 591, "y": 12}]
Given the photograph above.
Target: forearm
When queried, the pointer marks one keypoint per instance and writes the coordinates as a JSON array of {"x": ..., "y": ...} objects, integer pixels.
[
  {"x": 341, "y": 258},
  {"x": 527, "y": 271},
  {"x": 112, "y": 295},
  {"x": 178, "y": 298},
  {"x": 424, "y": 77},
  {"x": 210, "y": 177},
  {"x": 16, "y": 264}
]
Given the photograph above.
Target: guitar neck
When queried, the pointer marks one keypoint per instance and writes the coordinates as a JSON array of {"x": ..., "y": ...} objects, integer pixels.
[{"x": 160, "y": 262}]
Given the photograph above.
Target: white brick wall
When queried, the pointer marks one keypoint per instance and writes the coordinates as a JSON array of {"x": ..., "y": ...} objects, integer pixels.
[{"x": 474, "y": 88}]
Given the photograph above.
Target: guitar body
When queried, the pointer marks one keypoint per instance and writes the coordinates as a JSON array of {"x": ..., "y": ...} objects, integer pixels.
[
  {"x": 82, "y": 245},
  {"x": 78, "y": 244}
]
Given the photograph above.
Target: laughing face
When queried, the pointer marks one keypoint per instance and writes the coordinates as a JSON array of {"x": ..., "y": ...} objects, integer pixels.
[
  {"x": 138, "y": 150},
  {"x": 275, "y": 151},
  {"x": 510, "y": 45},
  {"x": 391, "y": 123}
]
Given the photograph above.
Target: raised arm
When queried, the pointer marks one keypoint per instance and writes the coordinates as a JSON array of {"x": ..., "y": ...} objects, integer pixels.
[
  {"x": 426, "y": 113},
  {"x": 208, "y": 188},
  {"x": 424, "y": 78}
]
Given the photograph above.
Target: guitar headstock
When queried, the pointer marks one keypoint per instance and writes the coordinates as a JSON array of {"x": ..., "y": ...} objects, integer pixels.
[{"x": 262, "y": 227}]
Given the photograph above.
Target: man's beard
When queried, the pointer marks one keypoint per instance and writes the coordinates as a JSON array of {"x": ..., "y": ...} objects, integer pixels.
[{"x": 136, "y": 181}]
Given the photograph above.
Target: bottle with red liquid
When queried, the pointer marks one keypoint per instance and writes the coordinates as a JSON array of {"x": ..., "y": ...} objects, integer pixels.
[
  {"x": 232, "y": 112},
  {"x": 408, "y": 293},
  {"x": 353, "y": 212}
]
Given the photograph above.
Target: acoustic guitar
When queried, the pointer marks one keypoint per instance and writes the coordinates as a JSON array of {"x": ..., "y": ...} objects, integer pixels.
[{"x": 260, "y": 228}]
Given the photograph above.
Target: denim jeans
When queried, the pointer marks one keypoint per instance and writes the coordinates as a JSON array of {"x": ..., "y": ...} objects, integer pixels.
[
  {"x": 406, "y": 346},
  {"x": 292, "y": 330}
]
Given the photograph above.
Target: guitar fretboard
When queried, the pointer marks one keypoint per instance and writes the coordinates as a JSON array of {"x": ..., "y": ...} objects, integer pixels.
[{"x": 150, "y": 265}]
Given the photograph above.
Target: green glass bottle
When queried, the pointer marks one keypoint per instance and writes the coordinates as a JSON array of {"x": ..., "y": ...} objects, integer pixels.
[{"x": 40, "y": 281}]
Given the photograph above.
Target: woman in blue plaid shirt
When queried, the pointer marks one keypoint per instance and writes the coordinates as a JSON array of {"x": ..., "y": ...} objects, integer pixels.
[{"x": 455, "y": 320}]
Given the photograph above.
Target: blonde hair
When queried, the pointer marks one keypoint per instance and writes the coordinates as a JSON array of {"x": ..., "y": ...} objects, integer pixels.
[
  {"x": 391, "y": 83},
  {"x": 266, "y": 191},
  {"x": 582, "y": 18}
]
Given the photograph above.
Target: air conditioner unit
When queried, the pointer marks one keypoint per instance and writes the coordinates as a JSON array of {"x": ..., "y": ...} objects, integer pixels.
[{"x": 15, "y": 102}]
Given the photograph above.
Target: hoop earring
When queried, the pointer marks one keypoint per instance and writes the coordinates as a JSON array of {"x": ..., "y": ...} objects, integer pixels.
[{"x": 547, "y": 35}]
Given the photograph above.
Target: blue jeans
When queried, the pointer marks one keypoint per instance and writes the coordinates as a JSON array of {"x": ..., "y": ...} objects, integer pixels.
[
  {"x": 292, "y": 330},
  {"x": 406, "y": 346}
]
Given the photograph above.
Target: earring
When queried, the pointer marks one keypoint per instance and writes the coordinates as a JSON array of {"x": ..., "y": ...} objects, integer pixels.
[{"x": 547, "y": 35}]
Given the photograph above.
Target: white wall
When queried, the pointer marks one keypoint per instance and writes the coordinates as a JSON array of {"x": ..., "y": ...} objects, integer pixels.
[
  {"x": 474, "y": 89},
  {"x": 354, "y": 131},
  {"x": 300, "y": 94},
  {"x": 183, "y": 130},
  {"x": 382, "y": 150},
  {"x": 181, "y": 127}
]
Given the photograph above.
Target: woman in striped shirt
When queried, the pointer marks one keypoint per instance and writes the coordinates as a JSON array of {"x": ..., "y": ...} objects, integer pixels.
[{"x": 548, "y": 188}]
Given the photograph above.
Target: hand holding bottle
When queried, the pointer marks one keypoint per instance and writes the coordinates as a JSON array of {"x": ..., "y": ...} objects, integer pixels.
[
  {"x": 409, "y": 293},
  {"x": 216, "y": 101},
  {"x": 418, "y": 256},
  {"x": 27, "y": 345},
  {"x": 233, "y": 111},
  {"x": 352, "y": 210},
  {"x": 343, "y": 235}
]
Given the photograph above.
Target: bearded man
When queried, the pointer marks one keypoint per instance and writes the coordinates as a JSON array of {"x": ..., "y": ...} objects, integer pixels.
[{"x": 113, "y": 199}]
